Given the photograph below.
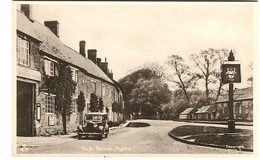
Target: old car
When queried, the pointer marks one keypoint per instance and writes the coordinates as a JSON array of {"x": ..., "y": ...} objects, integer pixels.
[{"x": 94, "y": 124}]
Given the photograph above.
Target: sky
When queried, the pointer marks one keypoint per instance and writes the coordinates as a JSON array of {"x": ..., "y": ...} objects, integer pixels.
[{"x": 132, "y": 34}]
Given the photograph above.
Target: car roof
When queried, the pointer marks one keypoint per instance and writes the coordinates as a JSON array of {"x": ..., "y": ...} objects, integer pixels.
[{"x": 96, "y": 113}]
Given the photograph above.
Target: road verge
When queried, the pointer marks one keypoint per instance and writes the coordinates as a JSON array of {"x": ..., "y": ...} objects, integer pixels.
[{"x": 216, "y": 137}]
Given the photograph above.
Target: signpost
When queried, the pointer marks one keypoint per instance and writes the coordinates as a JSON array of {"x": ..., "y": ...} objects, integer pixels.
[{"x": 230, "y": 73}]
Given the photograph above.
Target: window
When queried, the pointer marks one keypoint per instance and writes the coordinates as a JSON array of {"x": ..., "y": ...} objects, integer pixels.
[
  {"x": 103, "y": 90},
  {"x": 49, "y": 67},
  {"x": 115, "y": 95},
  {"x": 246, "y": 109},
  {"x": 237, "y": 108},
  {"x": 94, "y": 86},
  {"x": 49, "y": 104},
  {"x": 223, "y": 110},
  {"x": 108, "y": 91},
  {"x": 73, "y": 105},
  {"x": 240, "y": 109},
  {"x": 22, "y": 51},
  {"x": 74, "y": 74},
  {"x": 226, "y": 110}
]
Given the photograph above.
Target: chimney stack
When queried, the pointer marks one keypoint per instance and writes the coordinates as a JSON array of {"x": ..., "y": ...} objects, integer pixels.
[
  {"x": 92, "y": 55},
  {"x": 26, "y": 9},
  {"x": 99, "y": 62},
  {"x": 110, "y": 75},
  {"x": 104, "y": 66},
  {"x": 54, "y": 26},
  {"x": 82, "y": 46}
]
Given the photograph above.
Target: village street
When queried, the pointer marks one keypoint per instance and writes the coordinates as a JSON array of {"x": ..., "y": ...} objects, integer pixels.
[{"x": 153, "y": 139}]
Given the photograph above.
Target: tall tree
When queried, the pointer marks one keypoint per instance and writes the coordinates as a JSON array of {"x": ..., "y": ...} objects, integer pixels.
[
  {"x": 63, "y": 87},
  {"x": 158, "y": 70},
  {"x": 101, "y": 104},
  {"x": 222, "y": 55},
  {"x": 185, "y": 80},
  {"x": 148, "y": 96},
  {"x": 144, "y": 91},
  {"x": 93, "y": 103},
  {"x": 81, "y": 105},
  {"x": 177, "y": 105},
  {"x": 207, "y": 61},
  {"x": 128, "y": 84}
]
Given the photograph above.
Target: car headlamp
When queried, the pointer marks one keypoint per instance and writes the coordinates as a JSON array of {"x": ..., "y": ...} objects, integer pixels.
[
  {"x": 95, "y": 125},
  {"x": 100, "y": 127}
]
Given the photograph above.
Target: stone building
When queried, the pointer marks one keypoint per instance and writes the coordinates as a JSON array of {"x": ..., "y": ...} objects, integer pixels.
[
  {"x": 188, "y": 113},
  {"x": 38, "y": 49},
  {"x": 242, "y": 105},
  {"x": 206, "y": 113}
]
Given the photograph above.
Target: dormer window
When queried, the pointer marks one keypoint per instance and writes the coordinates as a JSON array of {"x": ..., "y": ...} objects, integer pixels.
[{"x": 22, "y": 51}]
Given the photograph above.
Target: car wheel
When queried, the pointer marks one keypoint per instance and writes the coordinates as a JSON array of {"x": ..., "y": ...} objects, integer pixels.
[
  {"x": 106, "y": 135},
  {"x": 79, "y": 137}
]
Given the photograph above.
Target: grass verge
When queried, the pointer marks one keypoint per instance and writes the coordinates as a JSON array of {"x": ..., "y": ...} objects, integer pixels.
[{"x": 215, "y": 136}]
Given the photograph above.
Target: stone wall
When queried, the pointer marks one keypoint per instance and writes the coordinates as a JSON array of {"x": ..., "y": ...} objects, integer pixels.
[
  {"x": 84, "y": 84},
  {"x": 243, "y": 110}
]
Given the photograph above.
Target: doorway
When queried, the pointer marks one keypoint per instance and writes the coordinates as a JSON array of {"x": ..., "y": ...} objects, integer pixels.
[{"x": 25, "y": 108}]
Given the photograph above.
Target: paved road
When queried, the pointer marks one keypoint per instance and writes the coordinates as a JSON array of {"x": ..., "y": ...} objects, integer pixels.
[{"x": 146, "y": 140}]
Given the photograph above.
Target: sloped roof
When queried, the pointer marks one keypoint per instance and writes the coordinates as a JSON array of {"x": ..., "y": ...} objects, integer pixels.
[
  {"x": 53, "y": 46},
  {"x": 187, "y": 111},
  {"x": 206, "y": 109},
  {"x": 26, "y": 26},
  {"x": 239, "y": 94}
]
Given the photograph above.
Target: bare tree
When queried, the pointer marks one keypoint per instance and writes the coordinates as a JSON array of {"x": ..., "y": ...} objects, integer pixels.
[
  {"x": 185, "y": 80},
  {"x": 207, "y": 62},
  {"x": 222, "y": 55}
]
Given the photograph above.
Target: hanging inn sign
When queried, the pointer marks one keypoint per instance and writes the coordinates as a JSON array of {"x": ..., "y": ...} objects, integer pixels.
[{"x": 230, "y": 72}]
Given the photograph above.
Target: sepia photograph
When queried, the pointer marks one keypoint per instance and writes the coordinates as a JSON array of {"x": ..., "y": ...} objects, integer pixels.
[{"x": 163, "y": 79}]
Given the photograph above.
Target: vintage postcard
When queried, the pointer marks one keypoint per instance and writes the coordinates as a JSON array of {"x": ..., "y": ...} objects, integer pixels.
[{"x": 161, "y": 79}]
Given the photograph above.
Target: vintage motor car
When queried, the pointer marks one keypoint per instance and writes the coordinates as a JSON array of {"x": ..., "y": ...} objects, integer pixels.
[{"x": 94, "y": 124}]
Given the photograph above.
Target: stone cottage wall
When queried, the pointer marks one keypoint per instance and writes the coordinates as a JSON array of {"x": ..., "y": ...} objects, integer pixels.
[
  {"x": 243, "y": 110},
  {"x": 85, "y": 84}
]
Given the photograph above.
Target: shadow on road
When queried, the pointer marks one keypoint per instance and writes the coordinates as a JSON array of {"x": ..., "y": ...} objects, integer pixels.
[
  {"x": 137, "y": 124},
  {"x": 92, "y": 138}
]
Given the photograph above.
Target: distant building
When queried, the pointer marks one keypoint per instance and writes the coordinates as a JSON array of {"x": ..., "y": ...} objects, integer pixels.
[
  {"x": 206, "y": 113},
  {"x": 188, "y": 113},
  {"x": 38, "y": 49},
  {"x": 242, "y": 106}
]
